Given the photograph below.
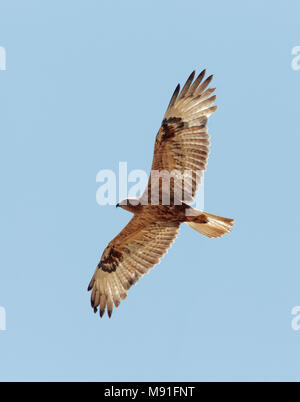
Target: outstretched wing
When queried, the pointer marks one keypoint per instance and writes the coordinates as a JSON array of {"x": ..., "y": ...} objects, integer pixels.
[
  {"x": 182, "y": 142},
  {"x": 130, "y": 255}
]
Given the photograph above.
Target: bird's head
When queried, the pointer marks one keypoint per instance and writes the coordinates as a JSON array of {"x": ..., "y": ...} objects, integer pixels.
[{"x": 129, "y": 204}]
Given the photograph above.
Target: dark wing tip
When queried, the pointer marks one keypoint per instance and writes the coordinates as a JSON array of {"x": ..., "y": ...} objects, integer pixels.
[
  {"x": 201, "y": 75},
  {"x": 187, "y": 85},
  {"x": 174, "y": 96},
  {"x": 177, "y": 89},
  {"x": 197, "y": 82},
  {"x": 192, "y": 75},
  {"x": 90, "y": 287}
]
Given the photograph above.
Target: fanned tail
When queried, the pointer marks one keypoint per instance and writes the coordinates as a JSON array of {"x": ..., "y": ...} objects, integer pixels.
[{"x": 215, "y": 226}]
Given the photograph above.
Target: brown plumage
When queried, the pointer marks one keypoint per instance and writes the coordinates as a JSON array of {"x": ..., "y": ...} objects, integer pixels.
[{"x": 181, "y": 148}]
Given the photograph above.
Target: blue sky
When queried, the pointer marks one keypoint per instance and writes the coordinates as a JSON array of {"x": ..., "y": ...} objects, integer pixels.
[{"x": 85, "y": 86}]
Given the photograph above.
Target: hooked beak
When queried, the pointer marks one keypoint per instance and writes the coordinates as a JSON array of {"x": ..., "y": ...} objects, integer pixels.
[{"x": 117, "y": 205}]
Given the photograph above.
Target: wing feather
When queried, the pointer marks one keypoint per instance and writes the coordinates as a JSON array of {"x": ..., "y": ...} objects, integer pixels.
[
  {"x": 182, "y": 143},
  {"x": 187, "y": 85},
  {"x": 130, "y": 255}
]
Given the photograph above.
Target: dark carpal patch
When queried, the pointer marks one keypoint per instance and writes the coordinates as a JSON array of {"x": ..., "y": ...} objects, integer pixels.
[
  {"x": 172, "y": 120},
  {"x": 170, "y": 126},
  {"x": 110, "y": 263},
  {"x": 168, "y": 132}
]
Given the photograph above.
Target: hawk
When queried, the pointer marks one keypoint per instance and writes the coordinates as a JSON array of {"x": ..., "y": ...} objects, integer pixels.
[{"x": 181, "y": 149}]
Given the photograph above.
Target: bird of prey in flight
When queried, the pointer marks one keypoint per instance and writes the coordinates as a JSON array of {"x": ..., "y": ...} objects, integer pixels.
[{"x": 181, "y": 149}]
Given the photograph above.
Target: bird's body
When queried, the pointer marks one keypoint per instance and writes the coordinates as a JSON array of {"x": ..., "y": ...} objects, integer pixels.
[{"x": 180, "y": 155}]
